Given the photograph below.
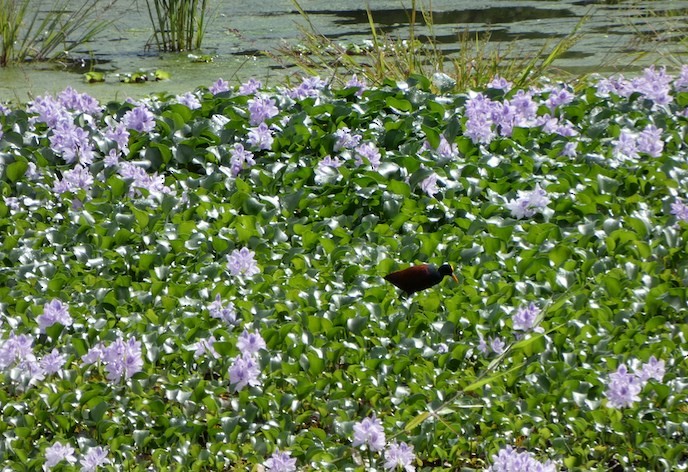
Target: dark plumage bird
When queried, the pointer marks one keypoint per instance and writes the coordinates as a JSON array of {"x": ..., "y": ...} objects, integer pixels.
[{"x": 420, "y": 277}]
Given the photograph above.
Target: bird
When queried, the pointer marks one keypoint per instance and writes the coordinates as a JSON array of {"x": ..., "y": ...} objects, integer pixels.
[{"x": 419, "y": 277}]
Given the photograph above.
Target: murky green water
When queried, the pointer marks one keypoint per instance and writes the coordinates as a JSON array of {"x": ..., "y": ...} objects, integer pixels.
[{"x": 240, "y": 30}]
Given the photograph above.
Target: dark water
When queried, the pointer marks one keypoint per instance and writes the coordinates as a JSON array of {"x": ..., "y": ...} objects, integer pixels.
[{"x": 238, "y": 32}]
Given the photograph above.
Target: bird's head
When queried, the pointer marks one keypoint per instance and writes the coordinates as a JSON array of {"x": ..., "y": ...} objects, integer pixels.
[{"x": 446, "y": 269}]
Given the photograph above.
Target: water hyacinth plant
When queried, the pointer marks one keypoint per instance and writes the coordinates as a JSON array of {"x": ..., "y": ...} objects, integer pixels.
[{"x": 195, "y": 281}]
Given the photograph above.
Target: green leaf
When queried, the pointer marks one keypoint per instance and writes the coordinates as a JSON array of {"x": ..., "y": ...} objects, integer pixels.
[
  {"x": 16, "y": 170},
  {"x": 411, "y": 425}
]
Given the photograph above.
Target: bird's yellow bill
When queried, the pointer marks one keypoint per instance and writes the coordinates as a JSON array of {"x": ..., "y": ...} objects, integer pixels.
[{"x": 456, "y": 279}]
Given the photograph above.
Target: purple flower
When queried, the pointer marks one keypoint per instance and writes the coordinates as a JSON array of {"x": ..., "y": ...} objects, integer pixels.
[
  {"x": 346, "y": 140},
  {"x": 400, "y": 456},
  {"x": 242, "y": 262},
  {"x": 153, "y": 183},
  {"x": 140, "y": 119},
  {"x": 111, "y": 159},
  {"x": 558, "y": 97},
  {"x": 250, "y": 87},
  {"x": 369, "y": 432},
  {"x": 33, "y": 173},
  {"x": 479, "y": 130},
  {"x": 605, "y": 87},
  {"x": 94, "y": 354},
  {"x": 71, "y": 143},
  {"x": 244, "y": 371},
  {"x": 189, "y": 100},
  {"x": 53, "y": 362},
  {"x": 654, "y": 85},
  {"x": 569, "y": 149},
  {"x": 54, "y": 312},
  {"x": 94, "y": 458},
  {"x": 552, "y": 124},
  {"x": 261, "y": 109},
  {"x": 524, "y": 105},
  {"x": 680, "y": 211},
  {"x": 73, "y": 180},
  {"x": 497, "y": 345},
  {"x": 16, "y": 349},
  {"x": 681, "y": 82},
  {"x": 652, "y": 369},
  {"x": 446, "y": 149},
  {"x": 260, "y": 137},
  {"x": 510, "y": 460},
  {"x": 122, "y": 359},
  {"x": 482, "y": 345},
  {"x": 239, "y": 157},
  {"x": 220, "y": 86},
  {"x": 205, "y": 346},
  {"x": 480, "y": 111},
  {"x": 118, "y": 133},
  {"x": 625, "y": 147},
  {"x": 226, "y": 313},
  {"x": 356, "y": 82},
  {"x": 429, "y": 185},
  {"x": 500, "y": 83},
  {"x": 623, "y": 388},
  {"x": 280, "y": 462},
  {"x": 250, "y": 343},
  {"x": 49, "y": 111},
  {"x": 309, "y": 87},
  {"x": 57, "y": 453},
  {"x": 505, "y": 118},
  {"x": 650, "y": 141},
  {"x": 79, "y": 102},
  {"x": 12, "y": 203},
  {"x": 525, "y": 317},
  {"x": 528, "y": 203},
  {"x": 33, "y": 369},
  {"x": 327, "y": 161},
  {"x": 370, "y": 152}
]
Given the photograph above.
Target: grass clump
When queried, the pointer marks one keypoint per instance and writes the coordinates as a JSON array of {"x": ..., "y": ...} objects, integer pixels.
[
  {"x": 178, "y": 25},
  {"x": 386, "y": 57},
  {"x": 42, "y": 31}
]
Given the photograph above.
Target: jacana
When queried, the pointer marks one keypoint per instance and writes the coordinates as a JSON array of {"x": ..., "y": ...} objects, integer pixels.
[{"x": 420, "y": 277}]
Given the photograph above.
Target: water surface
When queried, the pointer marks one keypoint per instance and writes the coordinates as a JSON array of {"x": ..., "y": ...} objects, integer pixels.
[{"x": 239, "y": 31}]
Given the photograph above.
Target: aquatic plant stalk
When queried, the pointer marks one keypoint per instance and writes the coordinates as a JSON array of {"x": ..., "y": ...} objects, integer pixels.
[{"x": 178, "y": 25}]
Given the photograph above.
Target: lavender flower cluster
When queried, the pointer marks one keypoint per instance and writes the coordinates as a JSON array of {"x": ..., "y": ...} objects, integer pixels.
[
  {"x": 624, "y": 387},
  {"x": 485, "y": 120},
  {"x": 71, "y": 124},
  {"x": 371, "y": 434},
  {"x": 17, "y": 354},
  {"x": 90, "y": 461},
  {"x": 524, "y": 319},
  {"x": 511, "y": 460},
  {"x": 349, "y": 146},
  {"x": 245, "y": 368},
  {"x": 122, "y": 359}
]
